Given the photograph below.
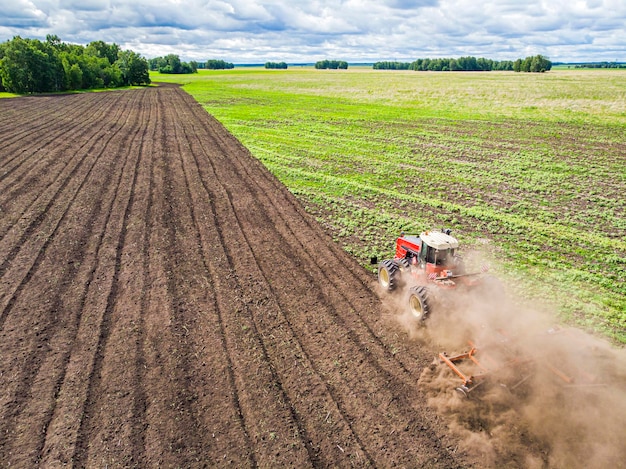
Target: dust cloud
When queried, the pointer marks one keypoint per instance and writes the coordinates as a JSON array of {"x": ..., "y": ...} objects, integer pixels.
[{"x": 547, "y": 396}]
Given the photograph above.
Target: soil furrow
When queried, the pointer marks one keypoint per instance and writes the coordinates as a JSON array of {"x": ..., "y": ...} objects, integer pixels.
[
  {"x": 63, "y": 430},
  {"x": 160, "y": 412},
  {"x": 39, "y": 211},
  {"x": 33, "y": 114},
  {"x": 108, "y": 433},
  {"x": 166, "y": 302},
  {"x": 323, "y": 303},
  {"x": 253, "y": 297},
  {"x": 191, "y": 308},
  {"x": 49, "y": 169},
  {"x": 15, "y": 109},
  {"x": 45, "y": 363},
  {"x": 177, "y": 263},
  {"x": 121, "y": 386},
  {"x": 331, "y": 259},
  {"x": 22, "y": 147},
  {"x": 141, "y": 237},
  {"x": 40, "y": 166},
  {"x": 284, "y": 347},
  {"x": 20, "y": 117},
  {"x": 23, "y": 257},
  {"x": 217, "y": 306},
  {"x": 282, "y": 419}
]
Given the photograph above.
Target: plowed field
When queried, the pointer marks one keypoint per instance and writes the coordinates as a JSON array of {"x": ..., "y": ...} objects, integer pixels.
[{"x": 166, "y": 302}]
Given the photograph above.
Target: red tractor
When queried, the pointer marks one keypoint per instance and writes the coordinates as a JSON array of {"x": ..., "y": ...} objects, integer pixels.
[{"x": 432, "y": 263}]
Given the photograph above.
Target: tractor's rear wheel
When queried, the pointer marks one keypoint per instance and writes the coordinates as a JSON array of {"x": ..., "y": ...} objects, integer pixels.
[
  {"x": 389, "y": 274},
  {"x": 419, "y": 303}
]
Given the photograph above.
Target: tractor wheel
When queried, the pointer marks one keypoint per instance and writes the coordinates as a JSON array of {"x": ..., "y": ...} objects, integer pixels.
[
  {"x": 389, "y": 274},
  {"x": 419, "y": 303},
  {"x": 404, "y": 263}
]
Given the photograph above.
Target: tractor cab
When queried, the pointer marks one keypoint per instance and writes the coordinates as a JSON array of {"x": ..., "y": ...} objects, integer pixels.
[
  {"x": 432, "y": 251},
  {"x": 437, "y": 250},
  {"x": 427, "y": 264}
]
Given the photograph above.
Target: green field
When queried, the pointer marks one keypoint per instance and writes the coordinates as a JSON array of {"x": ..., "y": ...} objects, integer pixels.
[{"x": 527, "y": 169}]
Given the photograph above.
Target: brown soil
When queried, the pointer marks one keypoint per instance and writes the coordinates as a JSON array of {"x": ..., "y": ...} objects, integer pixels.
[{"x": 166, "y": 302}]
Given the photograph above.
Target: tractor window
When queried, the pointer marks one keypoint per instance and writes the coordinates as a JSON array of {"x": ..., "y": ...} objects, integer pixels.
[
  {"x": 441, "y": 257},
  {"x": 436, "y": 256},
  {"x": 431, "y": 255}
]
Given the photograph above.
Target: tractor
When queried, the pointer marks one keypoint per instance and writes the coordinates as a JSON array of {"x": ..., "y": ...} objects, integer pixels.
[
  {"x": 429, "y": 269},
  {"x": 433, "y": 265}
]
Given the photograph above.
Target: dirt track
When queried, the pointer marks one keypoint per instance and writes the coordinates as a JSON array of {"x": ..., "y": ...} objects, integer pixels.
[{"x": 165, "y": 301}]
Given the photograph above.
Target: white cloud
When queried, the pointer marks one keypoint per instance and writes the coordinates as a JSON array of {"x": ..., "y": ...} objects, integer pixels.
[
  {"x": 20, "y": 14},
  {"x": 84, "y": 5},
  {"x": 353, "y": 30}
]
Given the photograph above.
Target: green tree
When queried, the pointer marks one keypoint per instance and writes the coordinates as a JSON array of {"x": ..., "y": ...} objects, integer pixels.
[
  {"x": 331, "y": 64},
  {"x": 461, "y": 64},
  {"x": 156, "y": 63},
  {"x": 111, "y": 76},
  {"x": 133, "y": 68},
  {"x": 171, "y": 63},
  {"x": 535, "y": 64},
  {"x": 214, "y": 64},
  {"x": 391, "y": 65},
  {"x": 75, "y": 77},
  {"x": 103, "y": 50},
  {"x": 544, "y": 63},
  {"x": 276, "y": 65},
  {"x": 30, "y": 66},
  {"x": 435, "y": 65},
  {"x": 2, "y": 47}
]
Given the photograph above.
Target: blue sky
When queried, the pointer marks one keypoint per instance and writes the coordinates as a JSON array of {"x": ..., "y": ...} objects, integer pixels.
[{"x": 256, "y": 31}]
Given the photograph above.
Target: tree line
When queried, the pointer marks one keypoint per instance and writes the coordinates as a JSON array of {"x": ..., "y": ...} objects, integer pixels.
[
  {"x": 601, "y": 65},
  {"x": 465, "y": 64},
  {"x": 391, "y": 65},
  {"x": 276, "y": 65},
  {"x": 34, "y": 66},
  {"x": 215, "y": 64},
  {"x": 536, "y": 63},
  {"x": 171, "y": 63},
  {"x": 331, "y": 64}
]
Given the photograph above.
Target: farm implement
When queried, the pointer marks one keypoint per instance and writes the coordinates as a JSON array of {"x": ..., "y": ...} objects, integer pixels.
[{"x": 509, "y": 364}]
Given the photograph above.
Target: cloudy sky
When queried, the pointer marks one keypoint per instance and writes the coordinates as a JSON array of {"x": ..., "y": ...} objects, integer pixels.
[{"x": 256, "y": 31}]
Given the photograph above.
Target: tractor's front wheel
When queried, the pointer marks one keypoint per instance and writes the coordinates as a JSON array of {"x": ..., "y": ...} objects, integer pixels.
[
  {"x": 419, "y": 302},
  {"x": 389, "y": 274}
]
